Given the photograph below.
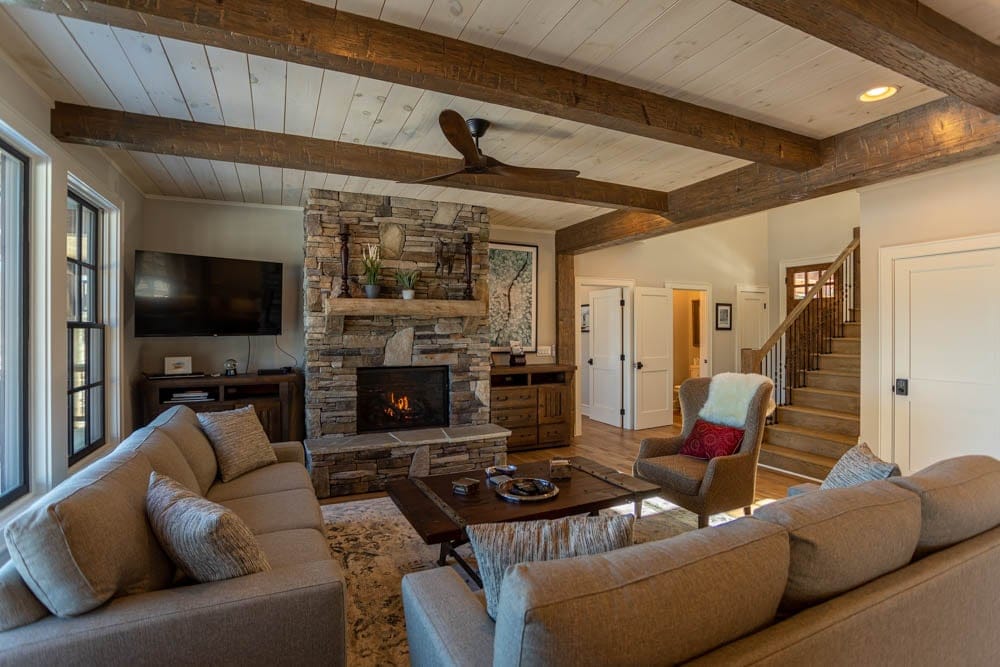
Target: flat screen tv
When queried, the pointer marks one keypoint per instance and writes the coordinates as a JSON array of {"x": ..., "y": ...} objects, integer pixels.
[{"x": 190, "y": 295}]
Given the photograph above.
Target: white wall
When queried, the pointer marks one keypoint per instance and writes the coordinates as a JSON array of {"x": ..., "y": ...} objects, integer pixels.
[
  {"x": 267, "y": 233},
  {"x": 24, "y": 122},
  {"x": 944, "y": 204},
  {"x": 804, "y": 231},
  {"x": 724, "y": 254},
  {"x": 546, "y": 242}
]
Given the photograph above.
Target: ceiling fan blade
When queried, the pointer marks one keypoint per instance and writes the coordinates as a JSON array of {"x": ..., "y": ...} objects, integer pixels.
[
  {"x": 457, "y": 133},
  {"x": 431, "y": 179},
  {"x": 502, "y": 169}
]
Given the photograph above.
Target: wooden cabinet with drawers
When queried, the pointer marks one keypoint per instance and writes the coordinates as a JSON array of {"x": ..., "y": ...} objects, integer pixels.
[{"x": 533, "y": 402}]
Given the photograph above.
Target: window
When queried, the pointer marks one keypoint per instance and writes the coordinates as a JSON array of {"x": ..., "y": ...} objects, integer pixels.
[
  {"x": 86, "y": 331},
  {"x": 803, "y": 280},
  {"x": 13, "y": 324}
]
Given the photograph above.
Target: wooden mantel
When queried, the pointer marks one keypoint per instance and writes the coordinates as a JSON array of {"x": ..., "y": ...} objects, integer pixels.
[{"x": 411, "y": 307}]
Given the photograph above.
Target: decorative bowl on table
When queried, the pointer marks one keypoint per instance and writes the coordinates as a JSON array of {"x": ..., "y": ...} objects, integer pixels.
[{"x": 526, "y": 489}]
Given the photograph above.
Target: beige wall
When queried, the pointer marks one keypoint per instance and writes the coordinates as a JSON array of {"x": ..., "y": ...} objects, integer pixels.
[
  {"x": 267, "y": 233},
  {"x": 724, "y": 255},
  {"x": 546, "y": 242},
  {"x": 806, "y": 231},
  {"x": 945, "y": 204}
]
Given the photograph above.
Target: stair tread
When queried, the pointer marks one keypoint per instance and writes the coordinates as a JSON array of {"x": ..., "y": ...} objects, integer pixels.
[
  {"x": 820, "y": 412},
  {"x": 800, "y": 455},
  {"x": 840, "y": 355},
  {"x": 828, "y": 392},
  {"x": 853, "y": 339},
  {"x": 813, "y": 433},
  {"x": 839, "y": 373}
]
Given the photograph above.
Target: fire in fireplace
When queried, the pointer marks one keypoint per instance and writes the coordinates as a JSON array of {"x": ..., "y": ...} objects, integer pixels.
[{"x": 397, "y": 398}]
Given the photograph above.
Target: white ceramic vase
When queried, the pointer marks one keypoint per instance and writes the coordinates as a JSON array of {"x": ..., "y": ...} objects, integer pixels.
[{"x": 408, "y": 294}]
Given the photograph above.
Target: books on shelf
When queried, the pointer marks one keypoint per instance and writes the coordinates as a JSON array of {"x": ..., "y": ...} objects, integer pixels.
[{"x": 192, "y": 396}]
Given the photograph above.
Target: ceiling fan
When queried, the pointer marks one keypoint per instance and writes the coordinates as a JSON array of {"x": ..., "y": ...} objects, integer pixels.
[{"x": 464, "y": 136}]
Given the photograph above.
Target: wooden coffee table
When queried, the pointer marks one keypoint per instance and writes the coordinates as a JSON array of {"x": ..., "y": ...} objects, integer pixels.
[{"x": 440, "y": 516}]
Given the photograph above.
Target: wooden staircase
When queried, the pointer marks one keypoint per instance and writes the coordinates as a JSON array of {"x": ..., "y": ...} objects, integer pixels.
[
  {"x": 814, "y": 358},
  {"x": 822, "y": 419}
]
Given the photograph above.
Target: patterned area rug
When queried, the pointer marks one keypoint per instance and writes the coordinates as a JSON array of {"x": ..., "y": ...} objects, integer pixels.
[{"x": 376, "y": 546}]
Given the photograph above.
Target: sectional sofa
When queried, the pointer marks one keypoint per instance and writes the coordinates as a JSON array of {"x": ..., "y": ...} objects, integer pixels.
[
  {"x": 293, "y": 614},
  {"x": 900, "y": 572}
]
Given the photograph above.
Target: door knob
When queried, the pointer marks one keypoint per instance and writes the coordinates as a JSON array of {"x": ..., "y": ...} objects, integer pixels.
[
  {"x": 638, "y": 365},
  {"x": 590, "y": 361}
]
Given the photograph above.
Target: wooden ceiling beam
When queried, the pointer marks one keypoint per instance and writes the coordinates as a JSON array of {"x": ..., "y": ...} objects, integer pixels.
[
  {"x": 904, "y": 36},
  {"x": 303, "y": 32},
  {"x": 152, "y": 134},
  {"x": 935, "y": 135}
]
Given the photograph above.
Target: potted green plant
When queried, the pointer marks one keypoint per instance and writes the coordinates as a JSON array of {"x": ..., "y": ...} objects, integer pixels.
[
  {"x": 407, "y": 278},
  {"x": 371, "y": 258}
]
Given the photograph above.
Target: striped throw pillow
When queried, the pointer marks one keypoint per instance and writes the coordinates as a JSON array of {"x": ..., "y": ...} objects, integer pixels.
[
  {"x": 857, "y": 466},
  {"x": 497, "y": 546},
  {"x": 207, "y": 541},
  {"x": 239, "y": 441}
]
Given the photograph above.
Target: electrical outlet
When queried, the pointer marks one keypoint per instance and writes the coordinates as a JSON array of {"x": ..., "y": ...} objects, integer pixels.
[{"x": 544, "y": 351}]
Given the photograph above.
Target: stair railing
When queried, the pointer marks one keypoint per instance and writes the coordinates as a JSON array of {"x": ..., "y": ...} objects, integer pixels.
[{"x": 807, "y": 332}]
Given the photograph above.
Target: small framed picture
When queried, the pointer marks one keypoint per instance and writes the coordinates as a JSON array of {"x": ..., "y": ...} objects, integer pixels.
[
  {"x": 585, "y": 318},
  {"x": 176, "y": 365},
  {"x": 723, "y": 316}
]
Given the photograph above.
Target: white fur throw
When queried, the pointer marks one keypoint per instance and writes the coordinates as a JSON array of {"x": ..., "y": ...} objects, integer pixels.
[{"x": 729, "y": 396}]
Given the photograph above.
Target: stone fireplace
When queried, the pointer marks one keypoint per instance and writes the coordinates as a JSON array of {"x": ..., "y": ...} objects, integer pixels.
[
  {"x": 395, "y": 399},
  {"x": 411, "y": 234},
  {"x": 395, "y": 387}
]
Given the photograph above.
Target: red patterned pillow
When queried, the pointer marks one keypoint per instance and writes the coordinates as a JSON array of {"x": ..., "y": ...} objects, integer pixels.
[{"x": 708, "y": 440}]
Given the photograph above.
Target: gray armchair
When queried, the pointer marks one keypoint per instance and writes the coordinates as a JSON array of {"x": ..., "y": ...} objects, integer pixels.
[{"x": 705, "y": 487}]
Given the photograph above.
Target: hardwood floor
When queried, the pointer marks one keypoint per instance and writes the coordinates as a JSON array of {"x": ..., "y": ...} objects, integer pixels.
[{"x": 617, "y": 448}]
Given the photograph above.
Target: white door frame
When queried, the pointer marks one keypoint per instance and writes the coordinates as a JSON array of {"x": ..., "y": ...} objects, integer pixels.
[
  {"x": 708, "y": 317},
  {"x": 589, "y": 281},
  {"x": 783, "y": 267},
  {"x": 741, "y": 288},
  {"x": 887, "y": 257}
]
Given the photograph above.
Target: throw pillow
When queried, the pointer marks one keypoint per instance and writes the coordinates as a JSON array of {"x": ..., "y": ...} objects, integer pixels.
[
  {"x": 857, "y": 466},
  {"x": 18, "y": 605},
  {"x": 204, "y": 539},
  {"x": 497, "y": 546},
  {"x": 708, "y": 440},
  {"x": 239, "y": 441}
]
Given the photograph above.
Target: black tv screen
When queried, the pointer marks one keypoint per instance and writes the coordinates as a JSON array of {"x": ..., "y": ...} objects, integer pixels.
[{"x": 189, "y": 295}]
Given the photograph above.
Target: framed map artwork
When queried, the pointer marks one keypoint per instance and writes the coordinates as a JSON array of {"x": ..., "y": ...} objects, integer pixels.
[{"x": 513, "y": 284}]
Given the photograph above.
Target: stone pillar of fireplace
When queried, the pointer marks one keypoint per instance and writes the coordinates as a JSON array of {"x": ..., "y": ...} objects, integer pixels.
[{"x": 408, "y": 230}]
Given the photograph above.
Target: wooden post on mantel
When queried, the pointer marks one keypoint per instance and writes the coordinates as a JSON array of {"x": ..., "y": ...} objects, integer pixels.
[{"x": 566, "y": 323}]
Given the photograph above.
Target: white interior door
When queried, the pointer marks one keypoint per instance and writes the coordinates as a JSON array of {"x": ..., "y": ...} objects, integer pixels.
[
  {"x": 946, "y": 324},
  {"x": 607, "y": 352},
  {"x": 753, "y": 324},
  {"x": 653, "y": 311}
]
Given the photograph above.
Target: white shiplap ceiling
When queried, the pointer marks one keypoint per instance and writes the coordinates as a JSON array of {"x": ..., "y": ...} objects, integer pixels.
[{"x": 710, "y": 52}]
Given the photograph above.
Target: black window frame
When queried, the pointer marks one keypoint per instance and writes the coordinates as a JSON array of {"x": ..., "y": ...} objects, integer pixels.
[
  {"x": 96, "y": 325},
  {"x": 21, "y": 490}
]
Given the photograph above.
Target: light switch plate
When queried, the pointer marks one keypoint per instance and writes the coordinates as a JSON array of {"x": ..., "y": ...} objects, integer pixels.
[{"x": 544, "y": 351}]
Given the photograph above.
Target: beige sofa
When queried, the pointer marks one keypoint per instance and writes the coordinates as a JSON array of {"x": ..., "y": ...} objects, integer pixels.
[
  {"x": 901, "y": 572},
  {"x": 293, "y": 614}
]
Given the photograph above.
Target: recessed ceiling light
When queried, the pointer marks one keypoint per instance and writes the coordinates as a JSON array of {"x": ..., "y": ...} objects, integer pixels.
[{"x": 878, "y": 93}]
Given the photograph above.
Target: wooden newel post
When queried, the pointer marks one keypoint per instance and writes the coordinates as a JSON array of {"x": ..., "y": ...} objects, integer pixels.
[
  {"x": 345, "y": 260},
  {"x": 748, "y": 361},
  {"x": 468, "y": 267}
]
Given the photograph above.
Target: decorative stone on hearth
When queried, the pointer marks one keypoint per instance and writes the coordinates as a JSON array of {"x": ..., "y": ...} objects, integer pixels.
[
  {"x": 392, "y": 238},
  {"x": 399, "y": 348}
]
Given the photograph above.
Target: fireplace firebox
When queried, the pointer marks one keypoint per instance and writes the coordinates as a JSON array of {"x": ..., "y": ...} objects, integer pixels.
[{"x": 396, "y": 398}]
